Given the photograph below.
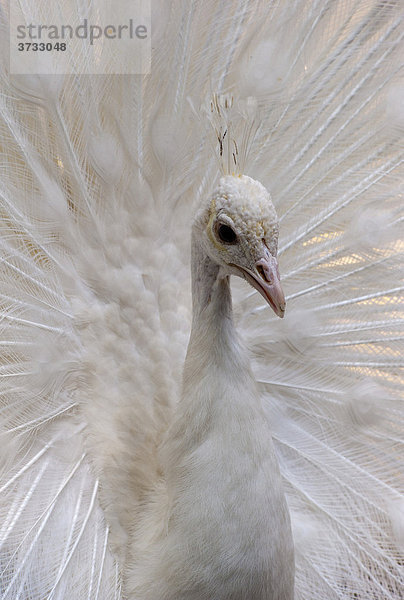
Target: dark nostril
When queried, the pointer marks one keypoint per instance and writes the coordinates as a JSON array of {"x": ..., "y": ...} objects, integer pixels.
[{"x": 263, "y": 274}]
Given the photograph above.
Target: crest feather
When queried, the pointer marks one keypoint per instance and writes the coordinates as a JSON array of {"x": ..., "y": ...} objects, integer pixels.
[{"x": 235, "y": 124}]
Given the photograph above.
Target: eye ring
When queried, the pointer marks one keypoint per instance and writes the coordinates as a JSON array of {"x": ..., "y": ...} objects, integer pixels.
[{"x": 226, "y": 234}]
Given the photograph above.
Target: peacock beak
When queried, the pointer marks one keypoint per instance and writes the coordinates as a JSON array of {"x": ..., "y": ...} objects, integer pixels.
[{"x": 265, "y": 278}]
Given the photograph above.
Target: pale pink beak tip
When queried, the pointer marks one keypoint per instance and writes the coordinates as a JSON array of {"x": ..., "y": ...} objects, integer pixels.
[
  {"x": 265, "y": 278},
  {"x": 269, "y": 285}
]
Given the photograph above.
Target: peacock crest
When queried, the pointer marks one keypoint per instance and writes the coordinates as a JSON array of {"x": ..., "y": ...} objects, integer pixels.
[{"x": 235, "y": 123}]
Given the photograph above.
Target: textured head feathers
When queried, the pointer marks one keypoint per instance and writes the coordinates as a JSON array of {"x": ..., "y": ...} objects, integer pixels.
[
  {"x": 241, "y": 235},
  {"x": 247, "y": 202}
]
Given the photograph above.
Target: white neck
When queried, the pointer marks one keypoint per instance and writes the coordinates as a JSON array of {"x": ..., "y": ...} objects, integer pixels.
[
  {"x": 213, "y": 332},
  {"x": 228, "y": 531}
]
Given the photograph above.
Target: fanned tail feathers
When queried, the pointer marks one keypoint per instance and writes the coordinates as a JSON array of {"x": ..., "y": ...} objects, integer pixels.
[{"x": 100, "y": 178}]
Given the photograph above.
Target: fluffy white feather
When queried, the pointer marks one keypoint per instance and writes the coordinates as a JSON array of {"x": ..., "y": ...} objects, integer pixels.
[{"x": 101, "y": 178}]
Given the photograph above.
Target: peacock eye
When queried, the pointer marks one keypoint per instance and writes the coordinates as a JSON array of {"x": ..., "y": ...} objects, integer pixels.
[{"x": 226, "y": 234}]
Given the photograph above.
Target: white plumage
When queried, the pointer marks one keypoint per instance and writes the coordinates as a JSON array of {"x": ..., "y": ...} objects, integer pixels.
[{"x": 120, "y": 479}]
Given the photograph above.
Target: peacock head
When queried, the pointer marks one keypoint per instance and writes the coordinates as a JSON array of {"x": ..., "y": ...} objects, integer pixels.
[{"x": 241, "y": 235}]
